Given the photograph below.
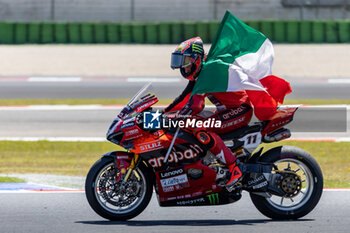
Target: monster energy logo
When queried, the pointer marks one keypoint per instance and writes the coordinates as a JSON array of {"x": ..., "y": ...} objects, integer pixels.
[
  {"x": 197, "y": 48},
  {"x": 214, "y": 198}
]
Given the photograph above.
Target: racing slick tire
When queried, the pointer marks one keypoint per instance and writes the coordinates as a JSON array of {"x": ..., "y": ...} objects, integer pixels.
[
  {"x": 311, "y": 187},
  {"x": 118, "y": 201}
]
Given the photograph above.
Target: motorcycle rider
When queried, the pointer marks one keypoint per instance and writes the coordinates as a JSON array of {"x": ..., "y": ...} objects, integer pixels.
[{"x": 232, "y": 108}]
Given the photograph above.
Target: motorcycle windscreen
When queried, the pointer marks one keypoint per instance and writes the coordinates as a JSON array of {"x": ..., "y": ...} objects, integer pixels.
[{"x": 144, "y": 98}]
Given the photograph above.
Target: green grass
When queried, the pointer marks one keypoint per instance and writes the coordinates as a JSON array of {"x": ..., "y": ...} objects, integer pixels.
[
  {"x": 17, "y": 102},
  {"x": 65, "y": 158},
  {"x": 76, "y": 158},
  {"x": 11, "y": 180}
]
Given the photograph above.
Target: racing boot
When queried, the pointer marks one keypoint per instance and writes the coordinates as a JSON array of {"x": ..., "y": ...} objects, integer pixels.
[
  {"x": 225, "y": 156},
  {"x": 234, "y": 175}
]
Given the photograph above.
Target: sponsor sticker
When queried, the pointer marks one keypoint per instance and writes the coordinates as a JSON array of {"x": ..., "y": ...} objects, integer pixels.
[
  {"x": 191, "y": 202},
  {"x": 126, "y": 125},
  {"x": 149, "y": 146},
  {"x": 173, "y": 180},
  {"x": 177, "y": 180},
  {"x": 175, "y": 172},
  {"x": 131, "y": 132},
  {"x": 214, "y": 199},
  {"x": 256, "y": 180},
  {"x": 177, "y": 156},
  {"x": 263, "y": 184}
]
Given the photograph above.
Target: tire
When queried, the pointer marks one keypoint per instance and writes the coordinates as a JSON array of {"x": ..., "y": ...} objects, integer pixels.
[
  {"x": 311, "y": 193},
  {"x": 96, "y": 181}
]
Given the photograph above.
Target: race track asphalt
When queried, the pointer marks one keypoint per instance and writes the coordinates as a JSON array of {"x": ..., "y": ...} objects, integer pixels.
[
  {"x": 70, "y": 212},
  {"x": 112, "y": 88},
  {"x": 314, "y": 122},
  {"x": 93, "y": 123}
]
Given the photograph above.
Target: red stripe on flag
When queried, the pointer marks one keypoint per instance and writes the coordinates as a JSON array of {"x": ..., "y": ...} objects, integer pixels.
[
  {"x": 278, "y": 88},
  {"x": 264, "y": 105}
]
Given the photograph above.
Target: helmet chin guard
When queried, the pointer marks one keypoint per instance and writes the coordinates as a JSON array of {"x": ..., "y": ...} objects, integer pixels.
[{"x": 195, "y": 70}]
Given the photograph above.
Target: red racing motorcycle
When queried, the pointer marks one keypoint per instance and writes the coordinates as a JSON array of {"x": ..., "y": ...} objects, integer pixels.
[{"x": 284, "y": 182}]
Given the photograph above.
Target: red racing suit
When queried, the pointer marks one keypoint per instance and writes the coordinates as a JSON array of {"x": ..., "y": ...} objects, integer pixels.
[{"x": 232, "y": 109}]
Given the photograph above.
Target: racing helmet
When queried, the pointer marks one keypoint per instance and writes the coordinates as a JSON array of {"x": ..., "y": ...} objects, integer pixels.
[{"x": 189, "y": 52}]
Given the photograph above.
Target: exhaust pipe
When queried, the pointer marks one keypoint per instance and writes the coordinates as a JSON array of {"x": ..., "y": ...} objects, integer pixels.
[{"x": 278, "y": 135}]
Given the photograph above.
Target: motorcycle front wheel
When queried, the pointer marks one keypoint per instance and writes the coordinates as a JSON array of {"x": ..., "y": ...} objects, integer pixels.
[
  {"x": 117, "y": 201},
  {"x": 305, "y": 189}
]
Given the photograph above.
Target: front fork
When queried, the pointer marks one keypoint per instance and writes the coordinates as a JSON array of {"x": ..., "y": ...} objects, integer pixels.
[{"x": 134, "y": 161}]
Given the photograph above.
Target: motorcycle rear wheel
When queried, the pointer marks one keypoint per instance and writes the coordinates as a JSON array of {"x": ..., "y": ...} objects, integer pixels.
[
  {"x": 117, "y": 201},
  {"x": 293, "y": 159}
]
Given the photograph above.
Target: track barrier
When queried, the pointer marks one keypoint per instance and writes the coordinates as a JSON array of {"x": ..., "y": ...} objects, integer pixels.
[{"x": 280, "y": 31}]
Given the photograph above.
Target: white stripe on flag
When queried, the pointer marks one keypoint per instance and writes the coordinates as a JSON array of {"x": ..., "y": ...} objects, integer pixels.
[{"x": 247, "y": 70}]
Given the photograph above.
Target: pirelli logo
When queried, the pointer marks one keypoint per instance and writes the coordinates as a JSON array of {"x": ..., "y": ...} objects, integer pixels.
[{"x": 213, "y": 199}]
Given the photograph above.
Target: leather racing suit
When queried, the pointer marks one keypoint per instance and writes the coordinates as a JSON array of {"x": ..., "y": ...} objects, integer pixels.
[{"x": 232, "y": 109}]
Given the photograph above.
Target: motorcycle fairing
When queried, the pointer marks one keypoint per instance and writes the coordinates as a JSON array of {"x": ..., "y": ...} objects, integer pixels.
[
  {"x": 220, "y": 198},
  {"x": 191, "y": 185},
  {"x": 181, "y": 154},
  {"x": 282, "y": 117}
]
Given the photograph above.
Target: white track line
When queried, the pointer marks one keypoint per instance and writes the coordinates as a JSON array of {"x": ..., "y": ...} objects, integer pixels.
[
  {"x": 54, "y": 79},
  {"x": 154, "y": 80},
  {"x": 336, "y": 189},
  {"x": 339, "y": 80},
  {"x": 343, "y": 139}
]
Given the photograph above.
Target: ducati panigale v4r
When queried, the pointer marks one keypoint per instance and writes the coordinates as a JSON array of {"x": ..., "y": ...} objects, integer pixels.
[{"x": 284, "y": 183}]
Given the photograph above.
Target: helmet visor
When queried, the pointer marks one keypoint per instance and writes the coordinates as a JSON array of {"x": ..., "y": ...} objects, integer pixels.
[{"x": 180, "y": 60}]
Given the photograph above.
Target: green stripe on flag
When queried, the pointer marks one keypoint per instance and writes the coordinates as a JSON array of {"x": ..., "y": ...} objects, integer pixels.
[
  {"x": 234, "y": 39},
  {"x": 213, "y": 78}
]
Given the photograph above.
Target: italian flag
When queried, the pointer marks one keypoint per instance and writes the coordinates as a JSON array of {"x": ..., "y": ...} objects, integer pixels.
[{"x": 241, "y": 58}]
